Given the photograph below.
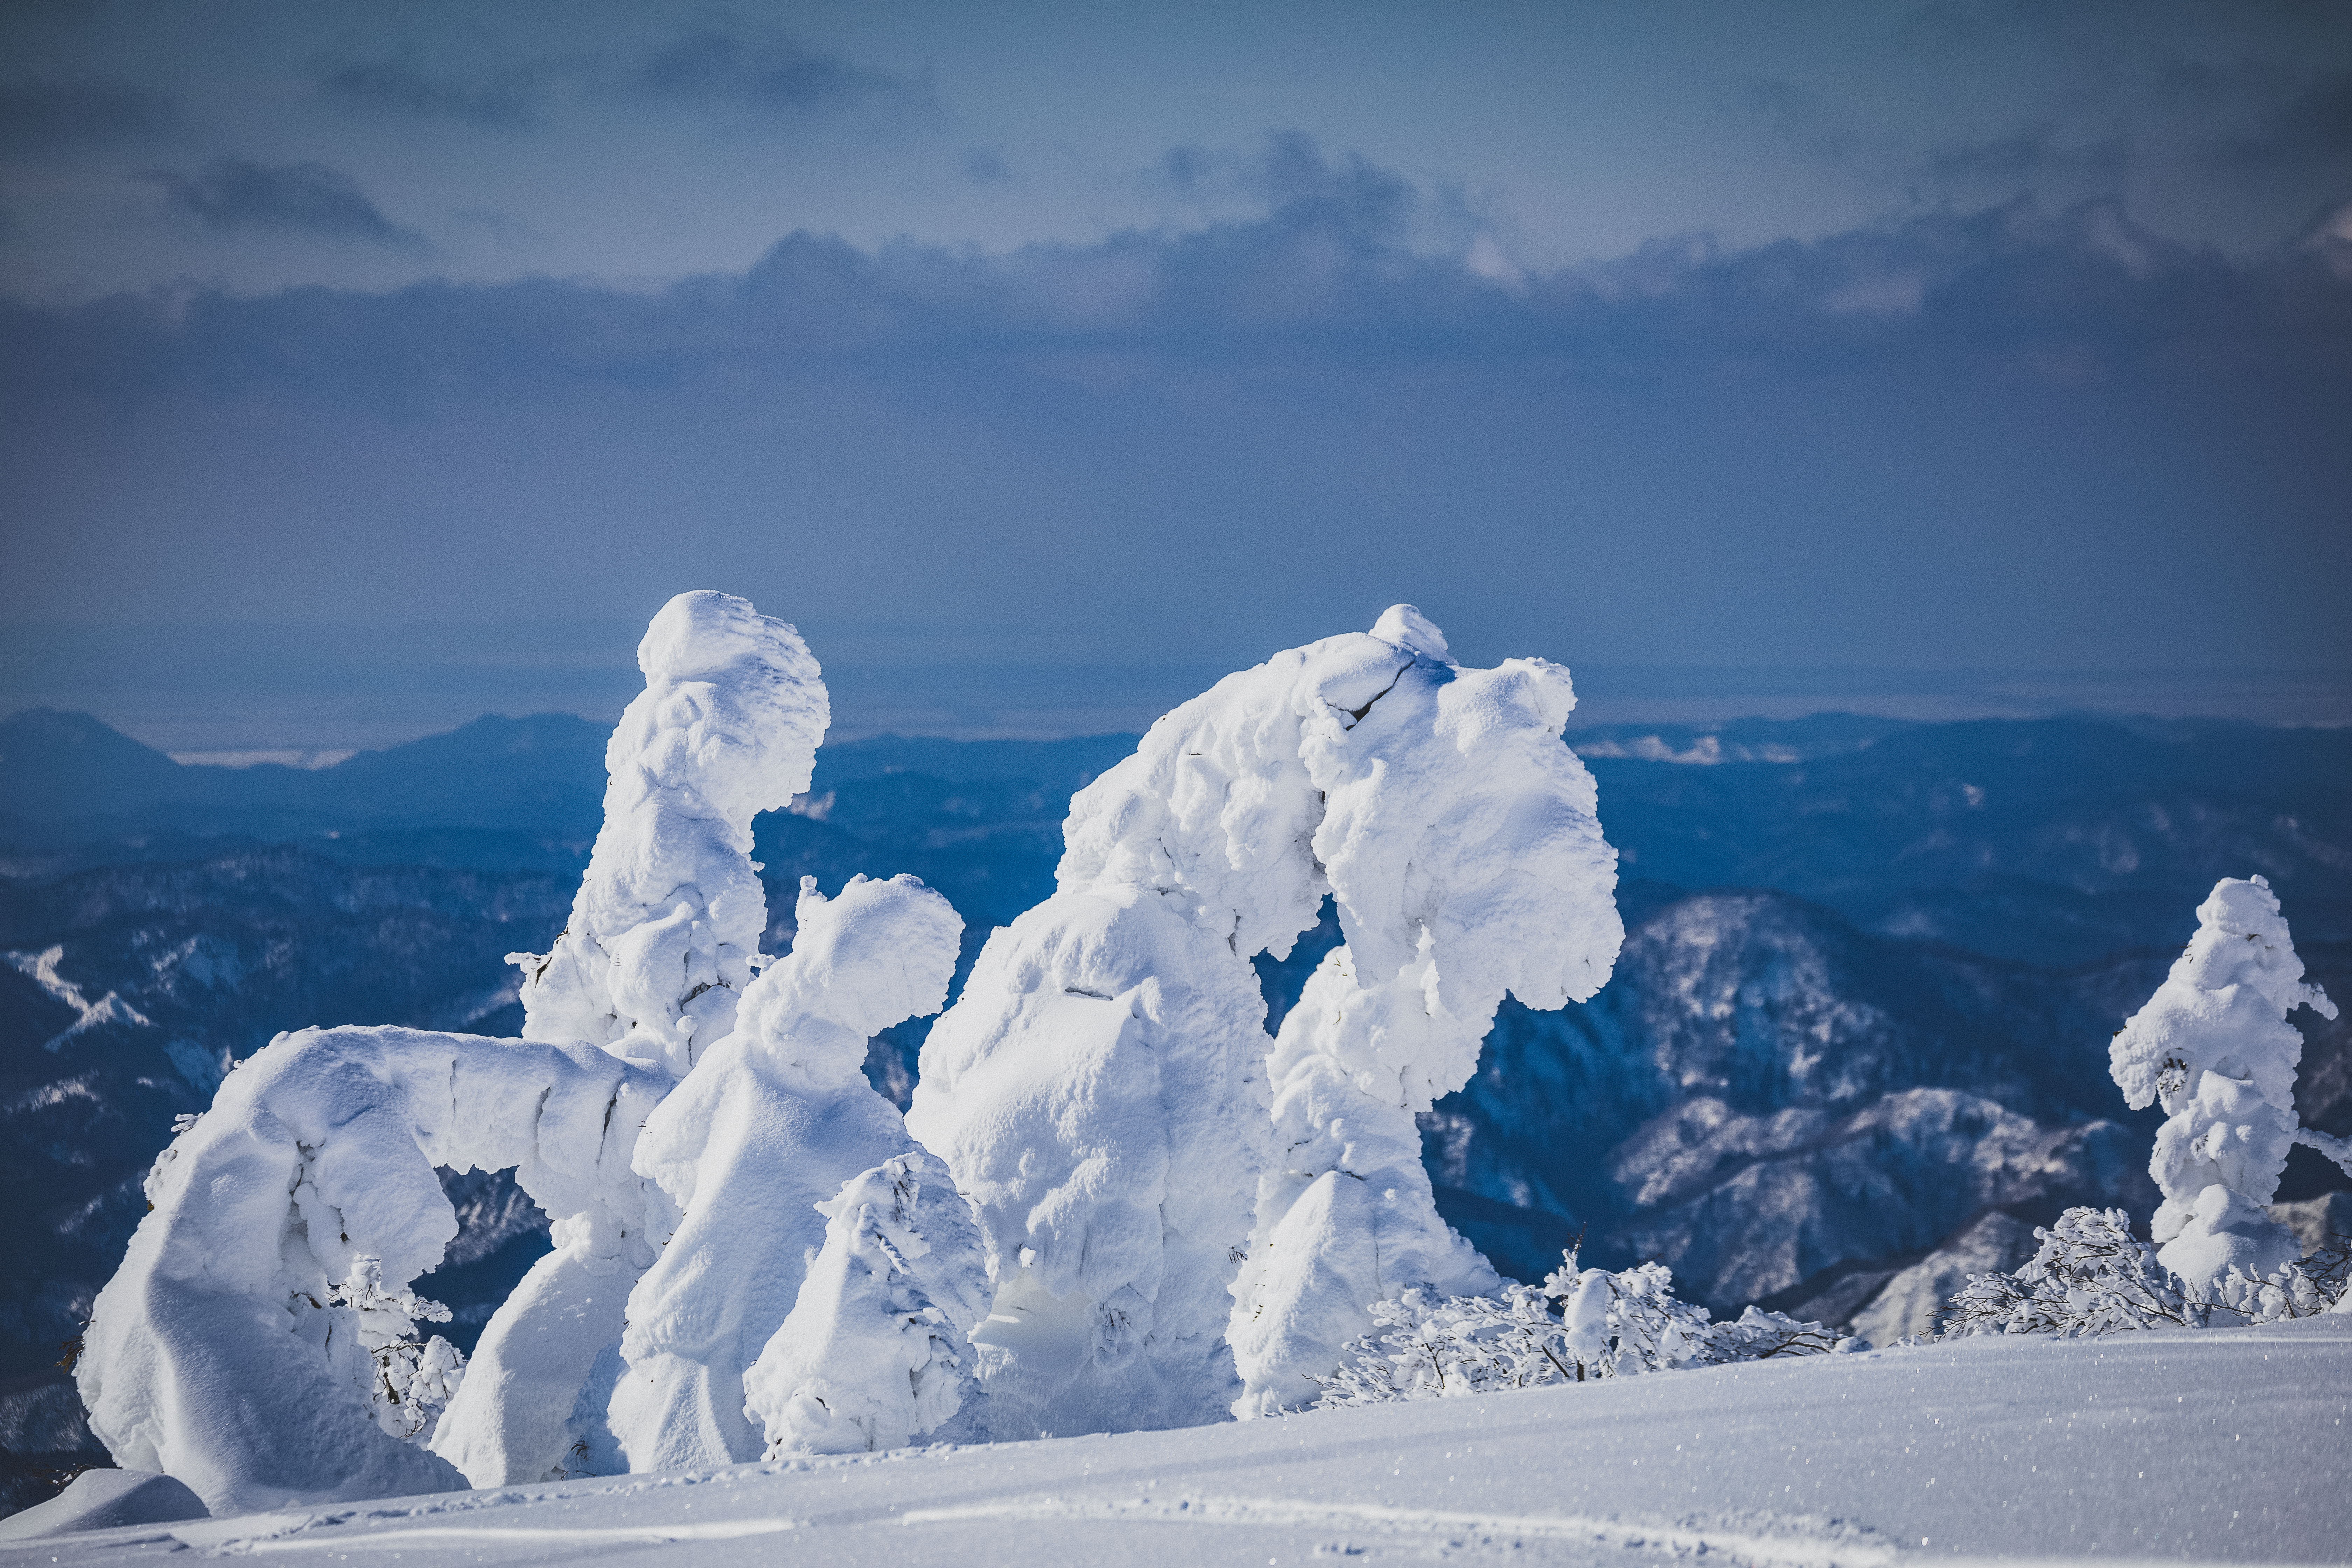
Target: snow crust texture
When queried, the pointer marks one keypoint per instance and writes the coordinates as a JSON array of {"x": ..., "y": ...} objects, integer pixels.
[
  {"x": 750, "y": 1149},
  {"x": 2213, "y": 1047},
  {"x": 666, "y": 926},
  {"x": 1101, "y": 1091},
  {"x": 243, "y": 1346}
]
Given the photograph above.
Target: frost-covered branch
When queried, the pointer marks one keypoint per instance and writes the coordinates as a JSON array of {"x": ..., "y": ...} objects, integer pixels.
[
  {"x": 2336, "y": 1149},
  {"x": 2092, "y": 1276},
  {"x": 1626, "y": 1324}
]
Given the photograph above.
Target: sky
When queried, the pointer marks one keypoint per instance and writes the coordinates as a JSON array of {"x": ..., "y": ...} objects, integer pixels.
[{"x": 361, "y": 368}]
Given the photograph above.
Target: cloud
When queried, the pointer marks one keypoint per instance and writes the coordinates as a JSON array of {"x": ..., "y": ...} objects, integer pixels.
[
  {"x": 773, "y": 74},
  {"x": 509, "y": 97},
  {"x": 2030, "y": 158},
  {"x": 1938, "y": 439},
  {"x": 234, "y": 192},
  {"x": 983, "y": 167},
  {"x": 1290, "y": 175},
  {"x": 2312, "y": 126},
  {"x": 44, "y": 113},
  {"x": 1318, "y": 277},
  {"x": 1795, "y": 116}
]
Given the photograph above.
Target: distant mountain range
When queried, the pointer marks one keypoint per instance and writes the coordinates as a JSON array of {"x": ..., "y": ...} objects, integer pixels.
[{"x": 1863, "y": 1005}]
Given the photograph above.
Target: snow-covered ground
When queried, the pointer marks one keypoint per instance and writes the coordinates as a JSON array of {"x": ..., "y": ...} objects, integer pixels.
[{"x": 2217, "y": 1446}]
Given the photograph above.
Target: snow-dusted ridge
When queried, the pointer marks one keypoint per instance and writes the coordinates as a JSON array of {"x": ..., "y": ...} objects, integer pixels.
[{"x": 2174, "y": 1447}]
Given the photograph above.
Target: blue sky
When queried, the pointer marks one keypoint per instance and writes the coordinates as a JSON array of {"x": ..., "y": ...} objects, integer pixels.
[{"x": 1063, "y": 339}]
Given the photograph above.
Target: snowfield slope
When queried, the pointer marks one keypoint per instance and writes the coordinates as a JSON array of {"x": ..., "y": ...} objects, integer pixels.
[{"x": 2225, "y": 1445}]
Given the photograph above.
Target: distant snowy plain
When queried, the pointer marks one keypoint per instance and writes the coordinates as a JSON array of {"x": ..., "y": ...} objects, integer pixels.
[{"x": 2224, "y": 1446}]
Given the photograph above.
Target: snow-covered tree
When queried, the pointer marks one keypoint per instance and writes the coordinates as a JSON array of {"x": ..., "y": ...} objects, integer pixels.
[
  {"x": 258, "y": 1340},
  {"x": 1101, "y": 1090},
  {"x": 1462, "y": 845},
  {"x": 2214, "y": 1048},
  {"x": 877, "y": 1351},
  {"x": 751, "y": 1147},
  {"x": 660, "y": 946},
  {"x": 666, "y": 925}
]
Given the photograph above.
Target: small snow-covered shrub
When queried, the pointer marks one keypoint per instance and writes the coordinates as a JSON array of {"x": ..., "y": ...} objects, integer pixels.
[
  {"x": 407, "y": 1384},
  {"x": 1427, "y": 1346},
  {"x": 2092, "y": 1276},
  {"x": 1625, "y": 1324}
]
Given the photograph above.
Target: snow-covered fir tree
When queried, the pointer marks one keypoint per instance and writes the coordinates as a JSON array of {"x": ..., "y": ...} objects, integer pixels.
[{"x": 2214, "y": 1048}]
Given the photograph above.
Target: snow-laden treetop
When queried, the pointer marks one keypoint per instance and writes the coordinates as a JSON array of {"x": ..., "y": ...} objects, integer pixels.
[
  {"x": 2222, "y": 1008},
  {"x": 667, "y": 922},
  {"x": 1436, "y": 804}
]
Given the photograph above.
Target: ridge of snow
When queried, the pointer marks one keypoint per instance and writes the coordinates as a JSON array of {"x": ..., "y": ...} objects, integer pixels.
[
  {"x": 41, "y": 968},
  {"x": 2136, "y": 1448}
]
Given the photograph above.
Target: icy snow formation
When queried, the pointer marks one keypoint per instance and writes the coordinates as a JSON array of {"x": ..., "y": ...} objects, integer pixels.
[
  {"x": 1101, "y": 1090},
  {"x": 764, "y": 1130},
  {"x": 254, "y": 1337},
  {"x": 1464, "y": 847},
  {"x": 875, "y": 1351},
  {"x": 2214, "y": 1048},
  {"x": 666, "y": 926}
]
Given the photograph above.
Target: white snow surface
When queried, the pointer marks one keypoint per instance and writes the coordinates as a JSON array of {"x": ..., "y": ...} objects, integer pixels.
[
  {"x": 666, "y": 925},
  {"x": 1101, "y": 1089},
  {"x": 222, "y": 1352},
  {"x": 768, "y": 1127},
  {"x": 2168, "y": 1446},
  {"x": 2214, "y": 1048}
]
